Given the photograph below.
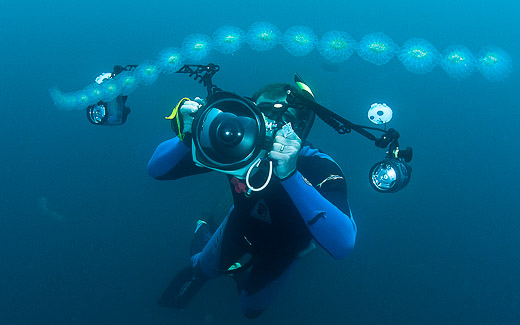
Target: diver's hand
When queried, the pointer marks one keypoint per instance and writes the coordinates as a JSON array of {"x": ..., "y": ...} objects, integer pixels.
[
  {"x": 285, "y": 152},
  {"x": 188, "y": 111}
]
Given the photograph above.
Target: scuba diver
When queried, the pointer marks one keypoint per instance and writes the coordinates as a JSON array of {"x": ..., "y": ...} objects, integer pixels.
[{"x": 266, "y": 231}]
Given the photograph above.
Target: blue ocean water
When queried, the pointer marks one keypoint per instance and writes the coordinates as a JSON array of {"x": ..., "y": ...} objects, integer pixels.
[{"x": 87, "y": 237}]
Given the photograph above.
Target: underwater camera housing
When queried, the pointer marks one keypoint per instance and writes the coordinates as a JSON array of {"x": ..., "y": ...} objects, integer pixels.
[{"x": 230, "y": 134}]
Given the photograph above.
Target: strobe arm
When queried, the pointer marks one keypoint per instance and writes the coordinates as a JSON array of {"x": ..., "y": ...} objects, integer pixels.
[{"x": 203, "y": 74}]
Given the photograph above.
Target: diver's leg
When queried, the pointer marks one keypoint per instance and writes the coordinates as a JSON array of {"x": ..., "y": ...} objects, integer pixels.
[
  {"x": 190, "y": 279},
  {"x": 202, "y": 235},
  {"x": 226, "y": 246},
  {"x": 221, "y": 251},
  {"x": 185, "y": 285},
  {"x": 264, "y": 283}
]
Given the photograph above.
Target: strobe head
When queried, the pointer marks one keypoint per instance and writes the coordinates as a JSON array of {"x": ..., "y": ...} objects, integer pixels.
[
  {"x": 390, "y": 175},
  {"x": 109, "y": 113}
]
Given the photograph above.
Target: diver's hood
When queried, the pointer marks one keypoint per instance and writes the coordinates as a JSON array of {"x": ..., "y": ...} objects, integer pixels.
[{"x": 229, "y": 134}]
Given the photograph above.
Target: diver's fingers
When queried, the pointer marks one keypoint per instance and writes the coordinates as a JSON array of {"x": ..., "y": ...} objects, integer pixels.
[
  {"x": 189, "y": 107},
  {"x": 285, "y": 158},
  {"x": 200, "y": 100},
  {"x": 288, "y": 135},
  {"x": 296, "y": 143},
  {"x": 284, "y": 149},
  {"x": 279, "y": 157}
]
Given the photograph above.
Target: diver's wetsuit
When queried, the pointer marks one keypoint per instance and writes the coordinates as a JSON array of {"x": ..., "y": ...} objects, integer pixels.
[{"x": 273, "y": 225}]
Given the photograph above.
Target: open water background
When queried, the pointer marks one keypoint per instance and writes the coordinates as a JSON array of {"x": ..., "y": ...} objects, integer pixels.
[{"x": 87, "y": 237}]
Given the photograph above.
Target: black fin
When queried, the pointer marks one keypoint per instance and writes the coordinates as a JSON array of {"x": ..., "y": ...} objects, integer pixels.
[{"x": 183, "y": 287}]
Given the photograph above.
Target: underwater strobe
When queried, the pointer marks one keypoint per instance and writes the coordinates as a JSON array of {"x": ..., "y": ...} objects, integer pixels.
[
  {"x": 392, "y": 173},
  {"x": 111, "y": 110},
  {"x": 387, "y": 176}
]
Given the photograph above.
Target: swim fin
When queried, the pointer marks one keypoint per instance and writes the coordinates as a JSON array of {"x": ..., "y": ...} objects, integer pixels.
[{"x": 183, "y": 287}]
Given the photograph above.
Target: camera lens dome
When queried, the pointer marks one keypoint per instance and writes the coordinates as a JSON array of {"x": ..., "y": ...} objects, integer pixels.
[{"x": 230, "y": 132}]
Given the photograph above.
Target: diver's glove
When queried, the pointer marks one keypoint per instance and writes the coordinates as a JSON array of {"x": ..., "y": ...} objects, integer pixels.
[
  {"x": 188, "y": 111},
  {"x": 285, "y": 152}
]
